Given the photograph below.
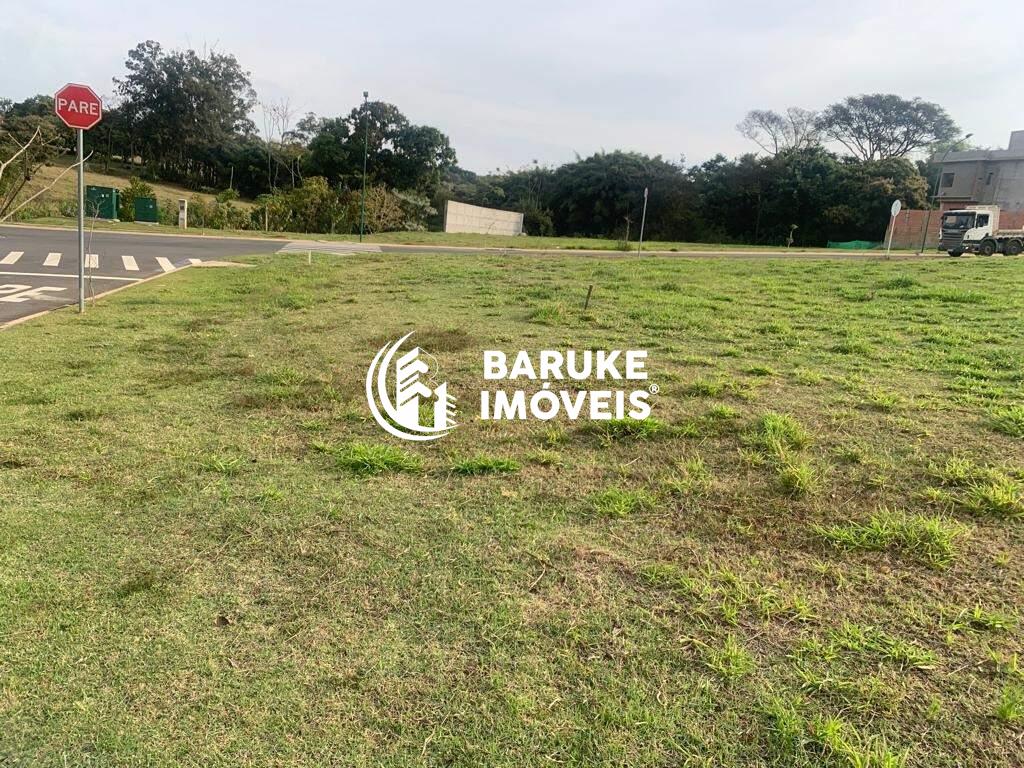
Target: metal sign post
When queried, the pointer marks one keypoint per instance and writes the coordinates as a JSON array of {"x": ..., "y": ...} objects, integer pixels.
[
  {"x": 81, "y": 220},
  {"x": 643, "y": 220},
  {"x": 79, "y": 108},
  {"x": 897, "y": 206}
]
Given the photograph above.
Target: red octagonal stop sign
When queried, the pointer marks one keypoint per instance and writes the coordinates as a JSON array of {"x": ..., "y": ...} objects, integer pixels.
[{"x": 78, "y": 106}]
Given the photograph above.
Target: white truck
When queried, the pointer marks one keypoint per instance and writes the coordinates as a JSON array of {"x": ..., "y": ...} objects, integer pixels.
[{"x": 975, "y": 229}]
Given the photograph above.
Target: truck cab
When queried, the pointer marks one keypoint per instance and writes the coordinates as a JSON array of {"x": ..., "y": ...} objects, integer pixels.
[
  {"x": 976, "y": 230},
  {"x": 960, "y": 228}
]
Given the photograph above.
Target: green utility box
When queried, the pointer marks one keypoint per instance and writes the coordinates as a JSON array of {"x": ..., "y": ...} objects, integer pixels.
[
  {"x": 146, "y": 210},
  {"x": 102, "y": 202}
]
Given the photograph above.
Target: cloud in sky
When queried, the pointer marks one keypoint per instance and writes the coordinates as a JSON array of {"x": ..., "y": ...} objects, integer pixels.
[{"x": 516, "y": 82}]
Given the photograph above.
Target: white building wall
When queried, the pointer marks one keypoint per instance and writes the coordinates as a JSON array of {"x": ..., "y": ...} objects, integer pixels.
[{"x": 462, "y": 217}]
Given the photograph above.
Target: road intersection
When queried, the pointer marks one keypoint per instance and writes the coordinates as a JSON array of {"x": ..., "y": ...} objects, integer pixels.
[{"x": 39, "y": 267}]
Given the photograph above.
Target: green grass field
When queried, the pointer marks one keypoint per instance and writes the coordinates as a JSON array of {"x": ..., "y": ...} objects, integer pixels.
[
  {"x": 810, "y": 555},
  {"x": 456, "y": 239}
]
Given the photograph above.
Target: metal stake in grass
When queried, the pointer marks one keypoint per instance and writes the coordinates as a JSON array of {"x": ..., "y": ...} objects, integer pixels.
[
  {"x": 586, "y": 303},
  {"x": 643, "y": 220}
]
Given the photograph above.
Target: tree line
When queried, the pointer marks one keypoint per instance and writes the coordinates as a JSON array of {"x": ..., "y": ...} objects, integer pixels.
[{"x": 194, "y": 118}]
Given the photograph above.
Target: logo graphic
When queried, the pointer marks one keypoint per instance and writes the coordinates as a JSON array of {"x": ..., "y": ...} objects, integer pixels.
[{"x": 403, "y": 394}]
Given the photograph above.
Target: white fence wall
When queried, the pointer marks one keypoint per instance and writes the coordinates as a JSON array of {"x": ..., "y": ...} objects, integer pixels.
[{"x": 462, "y": 217}]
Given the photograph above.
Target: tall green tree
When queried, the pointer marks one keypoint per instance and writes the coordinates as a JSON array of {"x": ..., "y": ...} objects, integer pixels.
[
  {"x": 759, "y": 199},
  {"x": 400, "y": 155},
  {"x": 329, "y": 152},
  {"x": 183, "y": 109},
  {"x": 603, "y": 195},
  {"x": 731, "y": 196},
  {"x": 866, "y": 193}
]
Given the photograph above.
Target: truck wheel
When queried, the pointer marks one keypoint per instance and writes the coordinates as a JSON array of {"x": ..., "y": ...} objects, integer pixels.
[
  {"x": 987, "y": 247},
  {"x": 1014, "y": 247},
  {"x": 954, "y": 254}
]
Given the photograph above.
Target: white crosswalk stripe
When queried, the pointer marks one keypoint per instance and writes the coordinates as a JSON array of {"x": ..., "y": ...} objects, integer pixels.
[
  {"x": 336, "y": 248},
  {"x": 55, "y": 260}
]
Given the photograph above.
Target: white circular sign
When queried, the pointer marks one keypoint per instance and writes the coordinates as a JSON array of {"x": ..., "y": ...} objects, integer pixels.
[{"x": 897, "y": 206}]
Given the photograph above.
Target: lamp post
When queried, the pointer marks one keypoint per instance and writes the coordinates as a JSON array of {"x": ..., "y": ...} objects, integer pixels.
[
  {"x": 366, "y": 153},
  {"x": 935, "y": 195}
]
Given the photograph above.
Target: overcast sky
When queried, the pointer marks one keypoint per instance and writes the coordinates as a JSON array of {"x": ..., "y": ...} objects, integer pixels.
[{"x": 515, "y": 82}]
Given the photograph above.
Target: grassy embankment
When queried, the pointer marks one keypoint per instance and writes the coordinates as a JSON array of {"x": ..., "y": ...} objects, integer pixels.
[
  {"x": 811, "y": 555},
  {"x": 64, "y": 186}
]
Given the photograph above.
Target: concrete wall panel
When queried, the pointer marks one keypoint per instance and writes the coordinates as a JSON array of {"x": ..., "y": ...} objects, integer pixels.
[{"x": 462, "y": 217}]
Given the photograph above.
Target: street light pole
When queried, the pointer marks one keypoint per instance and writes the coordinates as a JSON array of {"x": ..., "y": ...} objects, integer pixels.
[
  {"x": 935, "y": 195},
  {"x": 366, "y": 153}
]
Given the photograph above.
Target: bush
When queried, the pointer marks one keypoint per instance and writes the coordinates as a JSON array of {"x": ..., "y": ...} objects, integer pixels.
[
  {"x": 37, "y": 210},
  {"x": 136, "y": 188},
  {"x": 272, "y": 212},
  {"x": 226, "y": 216},
  {"x": 417, "y": 210},
  {"x": 537, "y": 221},
  {"x": 316, "y": 207},
  {"x": 384, "y": 211},
  {"x": 198, "y": 215},
  {"x": 167, "y": 212}
]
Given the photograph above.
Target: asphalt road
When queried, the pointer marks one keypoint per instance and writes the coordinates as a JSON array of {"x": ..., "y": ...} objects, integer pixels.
[{"x": 39, "y": 267}]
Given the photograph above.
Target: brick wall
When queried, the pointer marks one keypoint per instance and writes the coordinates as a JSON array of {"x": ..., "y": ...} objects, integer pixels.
[{"x": 910, "y": 224}]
